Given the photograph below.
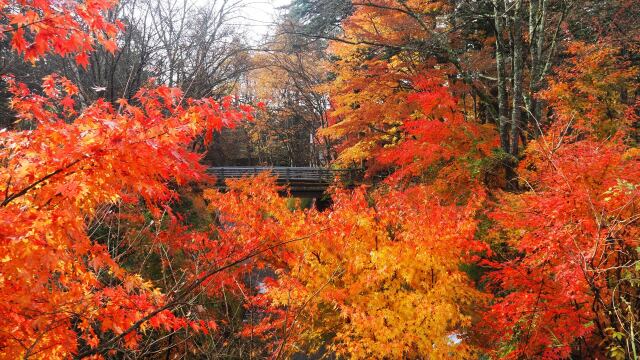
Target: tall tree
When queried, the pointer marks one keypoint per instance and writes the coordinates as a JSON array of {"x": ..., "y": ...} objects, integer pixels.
[{"x": 568, "y": 287}]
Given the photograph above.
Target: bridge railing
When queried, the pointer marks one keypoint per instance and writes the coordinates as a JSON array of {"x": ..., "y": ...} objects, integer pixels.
[{"x": 282, "y": 173}]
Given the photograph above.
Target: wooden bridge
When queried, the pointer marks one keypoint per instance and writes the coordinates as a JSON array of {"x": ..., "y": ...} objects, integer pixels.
[{"x": 300, "y": 181}]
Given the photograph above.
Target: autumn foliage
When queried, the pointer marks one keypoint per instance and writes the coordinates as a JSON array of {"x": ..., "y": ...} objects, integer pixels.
[
  {"x": 367, "y": 276},
  {"x": 452, "y": 245},
  {"x": 570, "y": 281},
  {"x": 59, "y": 287},
  {"x": 66, "y": 28}
]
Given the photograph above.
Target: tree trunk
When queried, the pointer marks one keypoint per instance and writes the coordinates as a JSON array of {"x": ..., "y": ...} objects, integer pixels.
[
  {"x": 503, "y": 119},
  {"x": 516, "y": 111},
  {"x": 537, "y": 21}
]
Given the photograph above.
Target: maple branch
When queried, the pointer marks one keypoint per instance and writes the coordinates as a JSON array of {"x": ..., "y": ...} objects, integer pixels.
[
  {"x": 176, "y": 300},
  {"x": 25, "y": 190},
  {"x": 23, "y": 26}
]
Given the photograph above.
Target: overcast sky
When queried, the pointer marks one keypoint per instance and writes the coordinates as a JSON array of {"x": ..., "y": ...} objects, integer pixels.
[{"x": 259, "y": 16}]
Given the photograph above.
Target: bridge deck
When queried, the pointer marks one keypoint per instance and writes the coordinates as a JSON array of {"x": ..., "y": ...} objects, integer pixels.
[{"x": 301, "y": 181}]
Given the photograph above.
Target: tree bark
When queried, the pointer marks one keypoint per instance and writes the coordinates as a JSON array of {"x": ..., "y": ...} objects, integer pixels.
[
  {"x": 503, "y": 119},
  {"x": 517, "y": 100},
  {"x": 537, "y": 23}
]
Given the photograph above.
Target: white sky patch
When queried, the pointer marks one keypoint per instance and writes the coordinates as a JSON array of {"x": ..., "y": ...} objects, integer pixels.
[{"x": 259, "y": 17}]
